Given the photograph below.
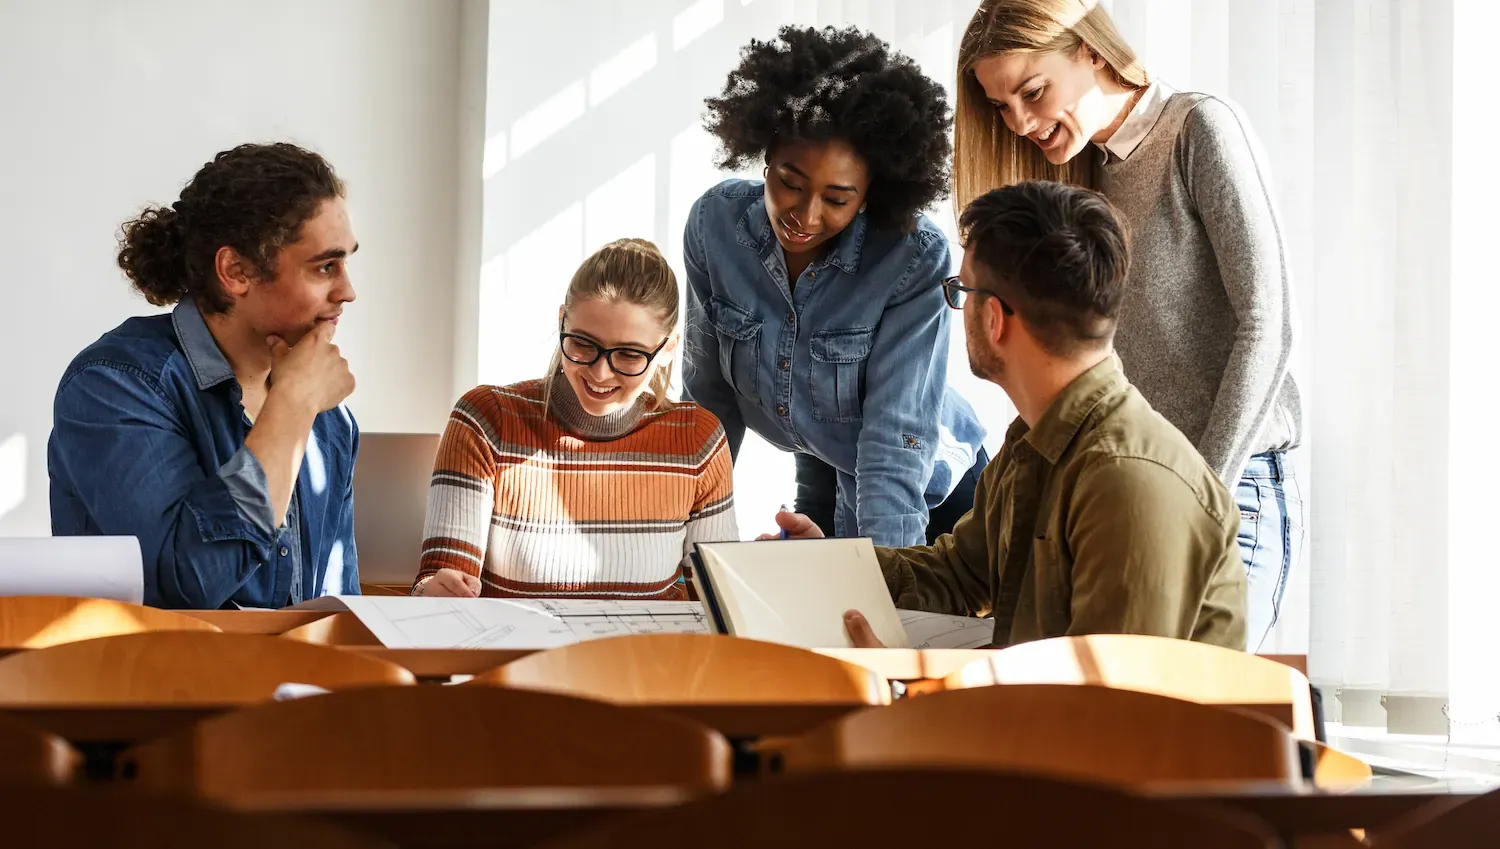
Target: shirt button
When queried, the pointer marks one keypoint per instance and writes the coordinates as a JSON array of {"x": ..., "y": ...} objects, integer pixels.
[
  {"x": 786, "y": 364},
  {"x": 285, "y": 551},
  {"x": 812, "y": 275},
  {"x": 790, "y": 316},
  {"x": 781, "y": 409}
]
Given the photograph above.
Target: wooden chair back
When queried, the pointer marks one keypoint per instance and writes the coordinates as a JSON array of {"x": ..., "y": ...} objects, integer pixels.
[
  {"x": 166, "y": 667},
  {"x": 432, "y": 738},
  {"x": 89, "y": 817},
  {"x": 39, "y": 621},
  {"x": 1083, "y": 733},
  {"x": 1335, "y": 769},
  {"x": 31, "y": 756},
  {"x": 901, "y": 809},
  {"x": 1181, "y": 669},
  {"x": 1470, "y": 824},
  {"x": 692, "y": 669},
  {"x": 340, "y": 629}
]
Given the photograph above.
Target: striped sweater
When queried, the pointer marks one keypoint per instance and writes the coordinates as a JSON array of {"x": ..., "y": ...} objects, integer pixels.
[{"x": 574, "y": 505}]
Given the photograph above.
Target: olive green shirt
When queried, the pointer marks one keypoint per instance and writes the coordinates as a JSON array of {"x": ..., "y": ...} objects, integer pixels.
[{"x": 1103, "y": 519}]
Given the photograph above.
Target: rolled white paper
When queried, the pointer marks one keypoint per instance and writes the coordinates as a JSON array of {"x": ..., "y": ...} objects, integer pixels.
[{"x": 88, "y": 567}]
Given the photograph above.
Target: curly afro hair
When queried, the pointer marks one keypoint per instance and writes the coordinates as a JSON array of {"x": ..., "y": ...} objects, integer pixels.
[{"x": 819, "y": 84}]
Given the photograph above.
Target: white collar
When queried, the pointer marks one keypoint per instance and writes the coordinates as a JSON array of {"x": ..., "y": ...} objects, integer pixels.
[{"x": 1138, "y": 124}]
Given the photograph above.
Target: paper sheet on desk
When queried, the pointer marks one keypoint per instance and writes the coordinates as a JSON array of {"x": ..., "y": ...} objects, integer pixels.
[
  {"x": 503, "y": 623},
  {"x": 87, "y": 567},
  {"x": 941, "y": 631}
]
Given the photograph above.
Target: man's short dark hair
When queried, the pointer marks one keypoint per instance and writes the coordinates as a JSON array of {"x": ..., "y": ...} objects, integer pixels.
[{"x": 1056, "y": 254}]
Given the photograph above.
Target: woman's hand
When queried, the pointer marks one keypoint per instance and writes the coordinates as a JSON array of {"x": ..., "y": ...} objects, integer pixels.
[{"x": 448, "y": 583}]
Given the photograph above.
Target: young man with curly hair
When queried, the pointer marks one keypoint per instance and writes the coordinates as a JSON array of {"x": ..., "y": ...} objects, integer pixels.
[
  {"x": 815, "y": 305},
  {"x": 215, "y": 434}
]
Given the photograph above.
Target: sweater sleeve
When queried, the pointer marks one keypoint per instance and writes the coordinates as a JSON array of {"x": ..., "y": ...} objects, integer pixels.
[
  {"x": 712, "y": 516},
  {"x": 461, "y": 499},
  {"x": 1230, "y": 187}
]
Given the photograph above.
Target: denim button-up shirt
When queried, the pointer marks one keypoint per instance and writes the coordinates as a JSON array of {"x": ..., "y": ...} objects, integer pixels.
[
  {"x": 148, "y": 440},
  {"x": 850, "y": 365}
]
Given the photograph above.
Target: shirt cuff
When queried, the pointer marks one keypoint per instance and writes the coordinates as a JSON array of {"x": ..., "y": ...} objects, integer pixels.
[{"x": 246, "y": 481}]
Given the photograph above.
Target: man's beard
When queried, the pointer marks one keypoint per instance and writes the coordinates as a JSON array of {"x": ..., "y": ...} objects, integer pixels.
[{"x": 983, "y": 363}]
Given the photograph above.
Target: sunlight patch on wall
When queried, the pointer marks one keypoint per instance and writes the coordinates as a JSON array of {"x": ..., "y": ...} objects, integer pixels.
[
  {"x": 547, "y": 119},
  {"x": 696, "y": 20},
  {"x": 622, "y": 69},
  {"x": 622, "y": 207}
]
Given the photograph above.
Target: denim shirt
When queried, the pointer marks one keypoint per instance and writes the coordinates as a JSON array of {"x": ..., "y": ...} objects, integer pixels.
[
  {"x": 148, "y": 440},
  {"x": 850, "y": 365}
]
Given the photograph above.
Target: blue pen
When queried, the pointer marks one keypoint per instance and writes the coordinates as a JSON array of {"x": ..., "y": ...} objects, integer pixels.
[{"x": 783, "y": 510}]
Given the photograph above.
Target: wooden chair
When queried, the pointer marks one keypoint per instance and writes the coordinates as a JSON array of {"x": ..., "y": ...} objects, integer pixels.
[
  {"x": 91, "y": 817},
  {"x": 166, "y": 667},
  {"x": 1469, "y": 824},
  {"x": 902, "y": 809},
  {"x": 1181, "y": 669},
  {"x": 32, "y": 756},
  {"x": 1335, "y": 769},
  {"x": 685, "y": 669},
  {"x": 39, "y": 621},
  {"x": 432, "y": 738},
  {"x": 340, "y": 629},
  {"x": 1084, "y": 733}
]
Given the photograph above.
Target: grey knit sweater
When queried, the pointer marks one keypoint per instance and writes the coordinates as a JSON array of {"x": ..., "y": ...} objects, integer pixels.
[{"x": 1205, "y": 330}]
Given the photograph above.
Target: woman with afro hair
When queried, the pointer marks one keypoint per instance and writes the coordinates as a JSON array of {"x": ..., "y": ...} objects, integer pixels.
[{"x": 815, "y": 313}]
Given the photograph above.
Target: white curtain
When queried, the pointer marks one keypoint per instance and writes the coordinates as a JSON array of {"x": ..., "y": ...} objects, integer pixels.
[{"x": 592, "y": 125}]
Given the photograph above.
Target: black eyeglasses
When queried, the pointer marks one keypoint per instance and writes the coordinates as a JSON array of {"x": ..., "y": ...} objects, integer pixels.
[
  {"x": 957, "y": 294},
  {"x": 626, "y": 362}
]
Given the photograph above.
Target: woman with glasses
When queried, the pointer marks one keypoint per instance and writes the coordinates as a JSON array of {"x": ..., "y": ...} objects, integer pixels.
[
  {"x": 590, "y": 482},
  {"x": 815, "y": 306}
]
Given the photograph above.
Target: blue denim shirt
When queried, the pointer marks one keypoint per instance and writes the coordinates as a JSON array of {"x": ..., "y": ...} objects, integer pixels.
[
  {"x": 850, "y": 365},
  {"x": 148, "y": 440}
]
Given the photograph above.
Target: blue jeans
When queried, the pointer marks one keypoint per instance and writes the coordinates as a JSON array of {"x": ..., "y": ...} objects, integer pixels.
[{"x": 1271, "y": 533}]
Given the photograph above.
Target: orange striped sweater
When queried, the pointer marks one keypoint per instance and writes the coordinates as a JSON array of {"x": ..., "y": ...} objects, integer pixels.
[{"x": 574, "y": 505}]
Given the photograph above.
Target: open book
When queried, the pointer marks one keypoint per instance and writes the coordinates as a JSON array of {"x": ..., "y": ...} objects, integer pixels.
[{"x": 796, "y": 592}]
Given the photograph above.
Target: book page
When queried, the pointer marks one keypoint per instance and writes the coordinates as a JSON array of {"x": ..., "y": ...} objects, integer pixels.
[
  {"x": 942, "y": 631},
  {"x": 503, "y": 623},
  {"x": 796, "y": 591}
]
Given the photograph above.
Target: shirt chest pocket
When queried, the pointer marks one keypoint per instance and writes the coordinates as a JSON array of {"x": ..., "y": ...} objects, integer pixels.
[
  {"x": 838, "y": 373},
  {"x": 738, "y": 333}
]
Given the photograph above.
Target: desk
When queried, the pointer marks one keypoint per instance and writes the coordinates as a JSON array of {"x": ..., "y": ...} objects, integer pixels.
[
  {"x": 1304, "y": 810},
  {"x": 118, "y": 726},
  {"x": 456, "y": 819}
]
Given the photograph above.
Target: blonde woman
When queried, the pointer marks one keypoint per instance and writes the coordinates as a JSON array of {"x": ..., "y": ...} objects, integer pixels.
[
  {"x": 1047, "y": 89},
  {"x": 590, "y": 482}
]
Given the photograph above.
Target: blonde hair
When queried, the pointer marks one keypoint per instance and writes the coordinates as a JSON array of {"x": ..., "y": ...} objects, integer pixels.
[
  {"x": 986, "y": 154},
  {"x": 631, "y": 271}
]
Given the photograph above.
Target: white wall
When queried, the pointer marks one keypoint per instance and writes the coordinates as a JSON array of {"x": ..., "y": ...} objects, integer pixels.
[
  {"x": 594, "y": 132},
  {"x": 107, "y": 106}
]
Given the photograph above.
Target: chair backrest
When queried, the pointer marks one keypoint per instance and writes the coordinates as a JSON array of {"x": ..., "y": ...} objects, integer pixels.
[
  {"x": 340, "y": 629},
  {"x": 166, "y": 667},
  {"x": 391, "y": 479},
  {"x": 32, "y": 756},
  {"x": 1471, "y": 824},
  {"x": 901, "y": 809},
  {"x": 692, "y": 669},
  {"x": 87, "y": 817},
  {"x": 1181, "y": 669},
  {"x": 39, "y": 621},
  {"x": 432, "y": 737},
  {"x": 1333, "y": 768},
  {"x": 1079, "y": 732}
]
